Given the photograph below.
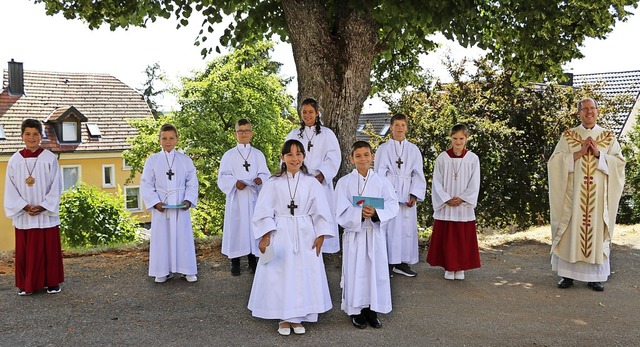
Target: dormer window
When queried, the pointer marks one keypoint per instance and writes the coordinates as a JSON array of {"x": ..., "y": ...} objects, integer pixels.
[
  {"x": 70, "y": 132},
  {"x": 94, "y": 130},
  {"x": 66, "y": 123}
]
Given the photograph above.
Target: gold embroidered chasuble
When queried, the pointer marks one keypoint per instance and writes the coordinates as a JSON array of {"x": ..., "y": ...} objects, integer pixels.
[{"x": 584, "y": 195}]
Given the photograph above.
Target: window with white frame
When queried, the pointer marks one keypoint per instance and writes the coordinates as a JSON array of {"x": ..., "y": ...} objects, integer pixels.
[
  {"x": 108, "y": 176},
  {"x": 70, "y": 132},
  {"x": 125, "y": 165},
  {"x": 71, "y": 175},
  {"x": 133, "y": 201}
]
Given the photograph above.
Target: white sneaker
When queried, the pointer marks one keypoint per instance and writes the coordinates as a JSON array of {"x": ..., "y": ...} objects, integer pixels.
[
  {"x": 163, "y": 279},
  {"x": 449, "y": 275},
  {"x": 459, "y": 275},
  {"x": 191, "y": 278}
]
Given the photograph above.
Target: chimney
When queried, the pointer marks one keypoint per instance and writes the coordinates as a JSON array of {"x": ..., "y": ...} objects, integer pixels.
[{"x": 16, "y": 79}]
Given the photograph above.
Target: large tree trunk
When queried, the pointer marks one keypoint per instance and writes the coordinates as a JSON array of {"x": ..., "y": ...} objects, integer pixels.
[{"x": 334, "y": 55}]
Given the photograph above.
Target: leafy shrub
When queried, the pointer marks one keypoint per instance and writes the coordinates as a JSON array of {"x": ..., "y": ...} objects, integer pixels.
[{"x": 92, "y": 217}]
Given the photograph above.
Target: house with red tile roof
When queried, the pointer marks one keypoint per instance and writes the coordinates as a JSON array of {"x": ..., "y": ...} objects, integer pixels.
[{"x": 85, "y": 121}]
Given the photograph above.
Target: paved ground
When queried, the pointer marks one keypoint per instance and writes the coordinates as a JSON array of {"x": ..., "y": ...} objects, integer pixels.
[{"x": 511, "y": 301}]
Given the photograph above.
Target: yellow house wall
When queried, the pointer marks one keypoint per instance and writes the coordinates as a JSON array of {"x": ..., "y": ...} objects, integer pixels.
[{"x": 90, "y": 173}]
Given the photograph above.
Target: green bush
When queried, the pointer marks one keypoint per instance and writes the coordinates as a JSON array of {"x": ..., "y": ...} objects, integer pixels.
[{"x": 92, "y": 217}]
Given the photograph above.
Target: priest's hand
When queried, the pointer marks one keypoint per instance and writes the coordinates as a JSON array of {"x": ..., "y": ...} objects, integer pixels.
[
  {"x": 317, "y": 244},
  {"x": 240, "y": 185},
  {"x": 159, "y": 207},
  {"x": 187, "y": 205},
  {"x": 265, "y": 241},
  {"x": 584, "y": 149},
  {"x": 320, "y": 177},
  {"x": 257, "y": 181}
]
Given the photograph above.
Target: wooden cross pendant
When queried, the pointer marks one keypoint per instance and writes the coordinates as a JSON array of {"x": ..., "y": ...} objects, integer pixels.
[
  {"x": 292, "y": 206},
  {"x": 246, "y": 165},
  {"x": 169, "y": 174},
  {"x": 309, "y": 145},
  {"x": 399, "y": 162}
]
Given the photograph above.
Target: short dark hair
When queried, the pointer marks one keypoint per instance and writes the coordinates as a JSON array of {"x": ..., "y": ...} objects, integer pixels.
[
  {"x": 169, "y": 127},
  {"x": 398, "y": 116},
  {"x": 31, "y": 123},
  {"x": 242, "y": 121},
  {"x": 360, "y": 144}
]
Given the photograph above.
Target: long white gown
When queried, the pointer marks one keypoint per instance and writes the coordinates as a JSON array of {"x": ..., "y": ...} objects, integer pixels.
[
  {"x": 171, "y": 248},
  {"x": 237, "y": 231},
  {"x": 402, "y": 231},
  {"x": 324, "y": 156},
  {"x": 365, "y": 270},
  {"x": 293, "y": 285}
]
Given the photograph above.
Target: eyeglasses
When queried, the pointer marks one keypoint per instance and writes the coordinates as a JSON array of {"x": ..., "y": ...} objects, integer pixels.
[
  {"x": 588, "y": 108},
  {"x": 243, "y": 131}
]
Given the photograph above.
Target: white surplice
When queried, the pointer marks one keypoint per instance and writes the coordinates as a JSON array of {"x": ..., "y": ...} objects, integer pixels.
[
  {"x": 324, "y": 156},
  {"x": 45, "y": 192},
  {"x": 365, "y": 271},
  {"x": 402, "y": 231},
  {"x": 445, "y": 186},
  {"x": 584, "y": 196},
  {"x": 293, "y": 285},
  {"x": 237, "y": 231},
  {"x": 171, "y": 248}
]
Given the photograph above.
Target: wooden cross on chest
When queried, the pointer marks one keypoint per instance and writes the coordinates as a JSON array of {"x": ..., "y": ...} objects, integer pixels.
[
  {"x": 170, "y": 174},
  {"x": 292, "y": 206},
  {"x": 246, "y": 165},
  {"x": 399, "y": 162}
]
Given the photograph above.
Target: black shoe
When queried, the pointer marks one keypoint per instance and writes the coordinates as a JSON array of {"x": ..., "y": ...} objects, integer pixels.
[
  {"x": 390, "y": 270},
  {"x": 404, "y": 269},
  {"x": 253, "y": 262},
  {"x": 359, "y": 321},
  {"x": 235, "y": 267},
  {"x": 596, "y": 286},
  {"x": 54, "y": 290},
  {"x": 372, "y": 318},
  {"x": 565, "y": 283}
]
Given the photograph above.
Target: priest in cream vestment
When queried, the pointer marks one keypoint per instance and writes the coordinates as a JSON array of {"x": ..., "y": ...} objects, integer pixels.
[{"x": 586, "y": 178}]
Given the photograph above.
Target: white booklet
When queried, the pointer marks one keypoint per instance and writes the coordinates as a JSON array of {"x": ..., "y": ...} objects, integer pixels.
[{"x": 267, "y": 256}]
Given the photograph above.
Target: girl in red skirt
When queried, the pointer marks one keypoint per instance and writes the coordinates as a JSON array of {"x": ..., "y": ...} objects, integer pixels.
[{"x": 454, "y": 194}]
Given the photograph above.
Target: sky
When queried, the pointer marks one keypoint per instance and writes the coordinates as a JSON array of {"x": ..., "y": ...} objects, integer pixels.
[{"x": 53, "y": 43}]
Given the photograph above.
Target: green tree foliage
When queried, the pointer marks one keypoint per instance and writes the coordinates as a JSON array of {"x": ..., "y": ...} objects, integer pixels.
[
  {"x": 514, "y": 131},
  {"x": 242, "y": 84},
  {"x": 629, "y": 212},
  {"x": 150, "y": 89},
  {"x": 92, "y": 217},
  {"x": 345, "y": 49}
]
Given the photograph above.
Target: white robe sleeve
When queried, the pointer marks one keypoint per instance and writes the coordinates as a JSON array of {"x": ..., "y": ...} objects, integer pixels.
[
  {"x": 226, "y": 179},
  {"x": 191, "y": 183},
  {"x": 332, "y": 158},
  {"x": 439, "y": 196},
  {"x": 148, "y": 184},
  {"x": 319, "y": 210},
  {"x": 13, "y": 201},
  {"x": 382, "y": 162},
  {"x": 263, "y": 170},
  {"x": 471, "y": 192},
  {"x": 418, "y": 186},
  {"x": 349, "y": 217},
  {"x": 264, "y": 212}
]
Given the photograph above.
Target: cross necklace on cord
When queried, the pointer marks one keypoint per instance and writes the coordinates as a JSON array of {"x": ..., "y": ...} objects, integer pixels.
[
  {"x": 366, "y": 180},
  {"x": 399, "y": 161},
  {"x": 30, "y": 180},
  {"x": 309, "y": 144},
  {"x": 292, "y": 205},
  {"x": 455, "y": 172},
  {"x": 170, "y": 172},
  {"x": 246, "y": 163}
]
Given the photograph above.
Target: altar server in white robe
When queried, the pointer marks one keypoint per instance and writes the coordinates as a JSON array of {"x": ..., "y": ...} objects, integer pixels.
[
  {"x": 292, "y": 220},
  {"x": 32, "y": 200},
  {"x": 323, "y": 158},
  {"x": 169, "y": 188},
  {"x": 366, "y": 287},
  {"x": 401, "y": 162},
  {"x": 242, "y": 171}
]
